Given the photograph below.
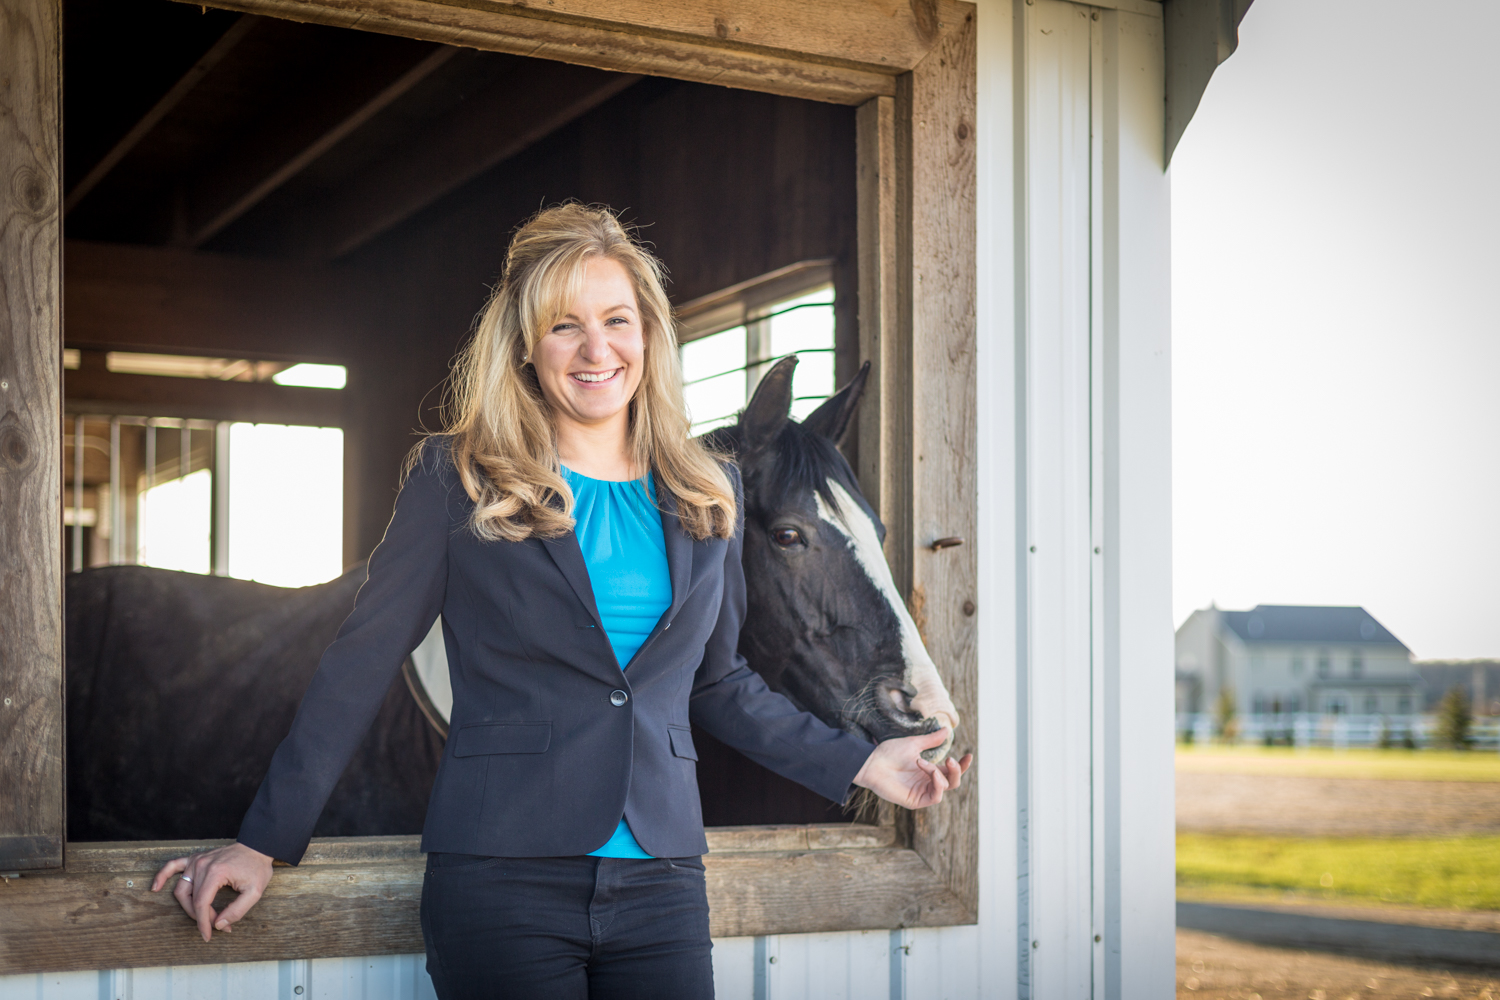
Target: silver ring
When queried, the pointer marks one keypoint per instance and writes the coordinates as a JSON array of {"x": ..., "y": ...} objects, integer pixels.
[{"x": 185, "y": 878}]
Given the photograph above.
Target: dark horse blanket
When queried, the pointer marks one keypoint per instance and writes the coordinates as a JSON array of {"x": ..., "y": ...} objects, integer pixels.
[{"x": 180, "y": 751}]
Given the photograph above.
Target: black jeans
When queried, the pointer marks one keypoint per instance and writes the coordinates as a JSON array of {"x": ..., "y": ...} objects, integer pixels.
[{"x": 566, "y": 928}]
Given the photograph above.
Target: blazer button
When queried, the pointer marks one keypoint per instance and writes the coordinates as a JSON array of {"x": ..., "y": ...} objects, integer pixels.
[{"x": 618, "y": 698}]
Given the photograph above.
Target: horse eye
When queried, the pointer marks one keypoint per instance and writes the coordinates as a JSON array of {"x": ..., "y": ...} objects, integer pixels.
[{"x": 786, "y": 537}]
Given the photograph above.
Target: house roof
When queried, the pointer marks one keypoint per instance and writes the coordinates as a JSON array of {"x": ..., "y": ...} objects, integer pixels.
[{"x": 1300, "y": 623}]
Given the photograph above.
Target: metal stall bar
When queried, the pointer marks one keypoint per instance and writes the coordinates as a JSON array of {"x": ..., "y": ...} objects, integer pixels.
[
  {"x": 150, "y": 455},
  {"x": 221, "y": 499},
  {"x": 141, "y": 524},
  {"x": 78, "y": 494},
  {"x": 116, "y": 508}
]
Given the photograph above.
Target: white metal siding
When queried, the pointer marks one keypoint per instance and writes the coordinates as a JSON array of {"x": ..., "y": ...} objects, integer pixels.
[
  {"x": 928, "y": 964},
  {"x": 389, "y": 977}
]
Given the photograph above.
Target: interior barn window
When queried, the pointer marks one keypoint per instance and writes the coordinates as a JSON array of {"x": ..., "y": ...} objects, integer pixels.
[
  {"x": 256, "y": 501},
  {"x": 286, "y": 503},
  {"x": 720, "y": 370},
  {"x": 176, "y": 523}
]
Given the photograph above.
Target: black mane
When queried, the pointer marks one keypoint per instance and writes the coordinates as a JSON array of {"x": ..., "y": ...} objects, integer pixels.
[{"x": 799, "y": 463}]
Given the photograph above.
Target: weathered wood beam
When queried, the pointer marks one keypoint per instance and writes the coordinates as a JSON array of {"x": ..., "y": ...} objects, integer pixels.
[
  {"x": 31, "y": 622},
  {"x": 242, "y": 181},
  {"x": 936, "y": 108},
  {"x": 844, "y": 52},
  {"x": 174, "y": 301},
  {"x": 490, "y": 126},
  {"x": 216, "y": 53},
  {"x": 360, "y": 896},
  {"x": 206, "y": 398}
]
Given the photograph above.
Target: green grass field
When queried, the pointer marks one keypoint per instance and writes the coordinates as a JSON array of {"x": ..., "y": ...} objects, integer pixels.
[
  {"x": 1390, "y": 765},
  {"x": 1461, "y": 873}
]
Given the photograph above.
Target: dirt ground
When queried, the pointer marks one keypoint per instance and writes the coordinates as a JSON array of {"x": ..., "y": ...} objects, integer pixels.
[
  {"x": 1335, "y": 807},
  {"x": 1221, "y": 969}
]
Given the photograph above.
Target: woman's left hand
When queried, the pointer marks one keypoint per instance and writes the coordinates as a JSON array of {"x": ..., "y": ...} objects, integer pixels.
[{"x": 897, "y": 772}]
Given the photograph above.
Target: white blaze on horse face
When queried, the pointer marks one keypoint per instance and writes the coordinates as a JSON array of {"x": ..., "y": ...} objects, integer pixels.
[{"x": 921, "y": 673}]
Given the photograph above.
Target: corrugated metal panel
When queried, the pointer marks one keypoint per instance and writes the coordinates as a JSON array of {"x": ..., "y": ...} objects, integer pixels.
[
  {"x": 388, "y": 977},
  {"x": 930, "y": 964}
]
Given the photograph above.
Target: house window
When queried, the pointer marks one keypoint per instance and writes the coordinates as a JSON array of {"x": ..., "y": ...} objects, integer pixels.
[
  {"x": 1336, "y": 704},
  {"x": 1403, "y": 704},
  {"x": 729, "y": 340},
  {"x": 1325, "y": 665},
  {"x": 1294, "y": 703},
  {"x": 1372, "y": 704},
  {"x": 1298, "y": 666},
  {"x": 1356, "y": 665}
]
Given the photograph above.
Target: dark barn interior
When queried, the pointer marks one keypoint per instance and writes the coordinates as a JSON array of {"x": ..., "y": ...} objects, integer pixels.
[{"x": 240, "y": 187}]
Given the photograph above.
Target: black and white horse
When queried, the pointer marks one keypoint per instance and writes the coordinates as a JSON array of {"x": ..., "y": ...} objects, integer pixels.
[{"x": 180, "y": 686}]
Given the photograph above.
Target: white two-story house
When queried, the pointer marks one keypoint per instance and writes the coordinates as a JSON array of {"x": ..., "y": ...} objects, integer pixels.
[{"x": 1288, "y": 658}]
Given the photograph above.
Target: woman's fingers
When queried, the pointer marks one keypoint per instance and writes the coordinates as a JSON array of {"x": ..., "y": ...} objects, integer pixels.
[
  {"x": 206, "y": 886},
  {"x": 183, "y": 890},
  {"x": 167, "y": 871},
  {"x": 927, "y": 741},
  {"x": 247, "y": 898}
]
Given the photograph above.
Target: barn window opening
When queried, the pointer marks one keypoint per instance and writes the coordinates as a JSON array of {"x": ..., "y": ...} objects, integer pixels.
[
  {"x": 286, "y": 490},
  {"x": 259, "y": 502},
  {"x": 731, "y": 338},
  {"x": 252, "y": 222}
]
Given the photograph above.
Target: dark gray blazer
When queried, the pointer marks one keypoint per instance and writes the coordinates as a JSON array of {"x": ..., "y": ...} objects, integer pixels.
[{"x": 549, "y": 743}]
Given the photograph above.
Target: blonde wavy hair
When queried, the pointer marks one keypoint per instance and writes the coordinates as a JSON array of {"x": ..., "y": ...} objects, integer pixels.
[{"x": 500, "y": 427}]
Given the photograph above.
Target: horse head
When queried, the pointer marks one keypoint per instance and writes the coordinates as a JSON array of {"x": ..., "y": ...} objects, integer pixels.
[{"x": 825, "y": 624}]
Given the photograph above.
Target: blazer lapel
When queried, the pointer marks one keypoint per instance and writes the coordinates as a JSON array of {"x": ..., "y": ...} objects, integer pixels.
[
  {"x": 679, "y": 558},
  {"x": 568, "y": 555}
]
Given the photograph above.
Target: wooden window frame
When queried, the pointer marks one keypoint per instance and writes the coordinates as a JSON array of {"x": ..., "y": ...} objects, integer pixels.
[{"x": 909, "y": 67}]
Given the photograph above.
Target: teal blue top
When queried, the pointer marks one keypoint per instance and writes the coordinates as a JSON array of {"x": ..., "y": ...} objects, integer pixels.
[{"x": 619, "y": 529}]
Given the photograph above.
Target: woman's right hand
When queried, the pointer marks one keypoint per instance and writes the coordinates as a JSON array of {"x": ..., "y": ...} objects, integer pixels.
[{"x": 243, "y": 869}]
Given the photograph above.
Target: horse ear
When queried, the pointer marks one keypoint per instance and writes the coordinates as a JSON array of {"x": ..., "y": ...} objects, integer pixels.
[
  {"x": 769, "y": 408},
  {"x": 832, "y": 418}
]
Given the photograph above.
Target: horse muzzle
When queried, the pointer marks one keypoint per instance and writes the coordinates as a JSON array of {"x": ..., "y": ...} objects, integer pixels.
[{"x": 896, "y": 718}]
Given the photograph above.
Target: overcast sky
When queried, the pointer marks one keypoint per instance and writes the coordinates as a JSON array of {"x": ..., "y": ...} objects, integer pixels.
[{"x": 1336, "y": 264}]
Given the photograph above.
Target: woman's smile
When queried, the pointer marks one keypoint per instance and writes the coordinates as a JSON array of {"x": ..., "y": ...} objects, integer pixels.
[{"x": 594, "y": 378}]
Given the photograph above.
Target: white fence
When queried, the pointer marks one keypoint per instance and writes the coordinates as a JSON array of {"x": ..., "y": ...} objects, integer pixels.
[{"x": 1306, "y": 729}]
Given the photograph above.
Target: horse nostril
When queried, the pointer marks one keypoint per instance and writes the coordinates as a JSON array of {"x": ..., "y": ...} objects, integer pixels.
[{"x": 895, "y": 702}]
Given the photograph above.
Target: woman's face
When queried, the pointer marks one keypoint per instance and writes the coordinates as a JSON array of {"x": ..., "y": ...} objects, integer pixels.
[{"x": 590, "y": 361}]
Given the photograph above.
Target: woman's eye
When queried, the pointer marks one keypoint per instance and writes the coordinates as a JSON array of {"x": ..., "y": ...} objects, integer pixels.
[{"x": 786, "y": 537}]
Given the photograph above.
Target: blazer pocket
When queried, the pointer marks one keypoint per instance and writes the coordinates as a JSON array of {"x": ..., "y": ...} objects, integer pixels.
[
  {"x": 483, "y": 738},
  {"x": 682, "y": 742}
]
